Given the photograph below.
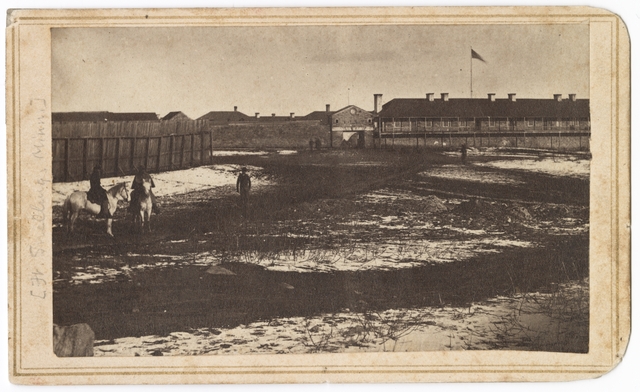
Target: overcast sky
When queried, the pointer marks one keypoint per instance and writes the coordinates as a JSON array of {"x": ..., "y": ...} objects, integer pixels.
[{"x": 300, "y": 69}]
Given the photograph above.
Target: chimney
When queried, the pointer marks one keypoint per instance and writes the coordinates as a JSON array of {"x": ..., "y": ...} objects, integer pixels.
[
  {"x": 512, "y": 97},
  {"x": 292, "y": 115},
  {"x": 257, "y": 115},
  {"x": 235, "y": 108},
  {"x": 557, "y": 97},
  {"x": 492, "y": 97},
  {"x": 328, "y": 108},
  {"x": 444, "y": 96},
  {"x": 273, "y": 114},
  {"x": 377, "y": 98},
  {"x": 572, "y": 97},
  {"x": 430, "y": 97}
]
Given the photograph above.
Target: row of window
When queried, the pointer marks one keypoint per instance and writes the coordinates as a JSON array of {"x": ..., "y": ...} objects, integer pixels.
[
  {"x": 490, "y": 122},
  {"x": 471, "y": 123},
  {"x": 353, "y": 122}
]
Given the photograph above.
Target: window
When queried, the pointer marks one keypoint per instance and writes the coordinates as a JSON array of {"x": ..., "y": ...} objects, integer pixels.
[
  {"x": 530, "y": 122},
  {"x": 428, "y": 123},
  {"x": 492, "y": 122},
  {"x": 336, "y": 120},
  {"x": 446, "y": 123},
  {"x": 369, "y": 121}
]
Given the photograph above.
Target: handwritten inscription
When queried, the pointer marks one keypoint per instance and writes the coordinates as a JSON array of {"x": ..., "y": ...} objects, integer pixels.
[
  {"x": 37, "y": 215},
  {"x": 39, "y": 139},
  {"x": 38, "y": 285},
  {"x": 36, "y": 210}
]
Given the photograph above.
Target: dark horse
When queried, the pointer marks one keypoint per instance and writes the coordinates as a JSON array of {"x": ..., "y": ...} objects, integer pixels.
[{"x": 143, "y": 205}]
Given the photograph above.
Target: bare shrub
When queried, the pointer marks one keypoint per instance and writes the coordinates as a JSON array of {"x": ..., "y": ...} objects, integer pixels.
[{"x": 557, "y": 321}]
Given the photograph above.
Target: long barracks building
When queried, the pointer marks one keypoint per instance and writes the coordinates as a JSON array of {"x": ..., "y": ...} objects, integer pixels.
[{"x": 429, "y": 114}]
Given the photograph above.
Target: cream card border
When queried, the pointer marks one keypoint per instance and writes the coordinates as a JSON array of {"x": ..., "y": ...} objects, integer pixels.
[{"x": 28, "y": 89}]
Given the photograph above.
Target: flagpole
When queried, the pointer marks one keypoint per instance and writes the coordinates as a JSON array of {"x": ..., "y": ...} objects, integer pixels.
[{"x": 471, "y": 64}]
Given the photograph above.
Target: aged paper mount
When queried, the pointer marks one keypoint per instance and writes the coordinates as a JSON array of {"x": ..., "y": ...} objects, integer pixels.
[{"x": 29, "y": 138}]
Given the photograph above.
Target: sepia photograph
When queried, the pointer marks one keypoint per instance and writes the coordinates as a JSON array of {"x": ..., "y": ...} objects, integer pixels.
[
  {"x": 320, "y": 189},
  {"x": 317, "y": 195}
]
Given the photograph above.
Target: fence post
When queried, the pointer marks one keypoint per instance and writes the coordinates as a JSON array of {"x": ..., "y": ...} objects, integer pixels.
[
  {"x": 159, "y": 154},
  {"x": 559, "y": 140},
  {"x": 102, "y": 152},
  {"x": 171, "y": 144},
  {"x": 202, "y": 148},
  {"x": 133, "y": 153},
  {"x": 193, "y": 137},
  {"x": 211, "y": 146},
  {"x": 117, "y": 168},
  {"x": 66, "y": 159},
  {"x": 84, "y": 158},
  {"x": 182, "y": 153},
  {"x": 146, "y": 153}
]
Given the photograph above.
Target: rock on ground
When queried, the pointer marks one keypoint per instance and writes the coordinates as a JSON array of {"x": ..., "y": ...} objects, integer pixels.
[{"x": 73, "y": 341}]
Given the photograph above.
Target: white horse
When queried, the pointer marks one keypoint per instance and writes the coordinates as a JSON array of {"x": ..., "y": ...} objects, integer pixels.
[
  {"x": 77, "y": 201},
  {"x": 144, "y": 206}
]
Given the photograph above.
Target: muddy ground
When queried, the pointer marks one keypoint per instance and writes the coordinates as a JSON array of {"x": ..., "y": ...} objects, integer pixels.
[{"x": 404, "y": 250}]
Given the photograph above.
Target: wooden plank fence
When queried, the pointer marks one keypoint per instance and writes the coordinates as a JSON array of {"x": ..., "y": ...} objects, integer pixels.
[
  {"x": 126, "y": 128},
  {"x": 75, "y": 157}
]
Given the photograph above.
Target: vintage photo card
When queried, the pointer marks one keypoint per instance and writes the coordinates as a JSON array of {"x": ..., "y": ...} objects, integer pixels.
[{"x": 312, "y": 195}]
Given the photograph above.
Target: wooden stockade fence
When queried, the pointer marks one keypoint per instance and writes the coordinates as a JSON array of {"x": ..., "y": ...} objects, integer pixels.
[
  {"x": 121, "y": 147},
  {"x": 139, "y": 129}
]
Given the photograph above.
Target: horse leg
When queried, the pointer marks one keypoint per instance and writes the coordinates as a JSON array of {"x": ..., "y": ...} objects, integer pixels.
[
  {"x": 74, "y": 216},
  {"x": 67, "y": 220},
  {"x": 148, "y": 220},
  {"x": 141, "y": 214},
  {"x": 109, "y": 221}
]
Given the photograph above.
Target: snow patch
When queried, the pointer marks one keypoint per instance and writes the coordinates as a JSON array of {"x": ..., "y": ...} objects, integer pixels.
[
  {"x": 173, "y": 182},
  {"x": 457, "y": 172},
  {"x": 236, "y": 153},
  {"x": 389, "y": 255},
  {"x": 562, "y": 166},
  {"x": 478, "y": 326}
]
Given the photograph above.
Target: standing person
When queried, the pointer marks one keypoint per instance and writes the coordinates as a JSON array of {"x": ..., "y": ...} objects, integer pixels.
[
  {"x": 137, "y": 188},
  {"x": 463, "y": 151},
  {"x": 97, "y": 194},
  {"x": 311, "y": 144},
  {"x": 318, "y": 144},
  {"x": 243, "y": 186}
]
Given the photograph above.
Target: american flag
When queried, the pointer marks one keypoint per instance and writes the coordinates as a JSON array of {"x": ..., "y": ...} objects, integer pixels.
[{"x": 475, "y": 55}]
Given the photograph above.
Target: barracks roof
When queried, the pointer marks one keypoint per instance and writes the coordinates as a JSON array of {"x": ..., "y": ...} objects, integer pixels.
[
  {"x": 175, "y": 116},
  {"x": 321, "y": 115},
  {"x": 225, "y": 116},
  {"x": 483, "y": 107}
]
